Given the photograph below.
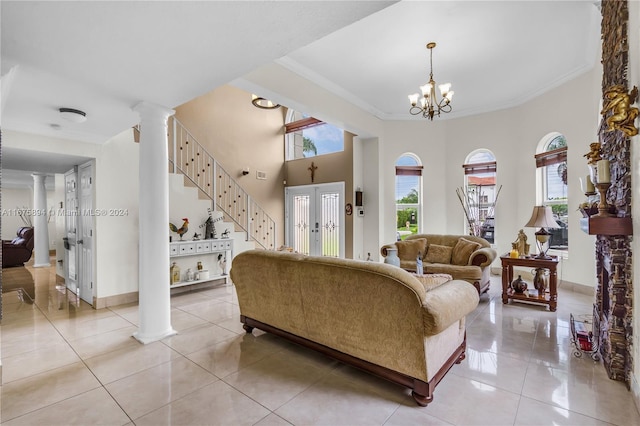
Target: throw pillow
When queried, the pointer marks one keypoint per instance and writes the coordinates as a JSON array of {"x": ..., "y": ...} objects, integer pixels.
[
  {"x": 438, "y": 254},
  {"x": 431, "y": 281},
  {"x": 409, "y": 249},
  {"x": 462, "y": 251}
]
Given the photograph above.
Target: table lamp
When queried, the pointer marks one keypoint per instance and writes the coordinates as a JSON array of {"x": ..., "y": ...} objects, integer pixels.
[{"x": 542, "y": 217}]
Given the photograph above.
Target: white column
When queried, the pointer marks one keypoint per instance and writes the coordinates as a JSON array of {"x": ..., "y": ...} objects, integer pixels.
[
  {"x": 40, "y": 223},
  {"x": 154, "y": 307}
]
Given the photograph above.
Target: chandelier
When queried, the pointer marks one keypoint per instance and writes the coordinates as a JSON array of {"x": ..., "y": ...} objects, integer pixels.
[{"x": 429, "y": 105}]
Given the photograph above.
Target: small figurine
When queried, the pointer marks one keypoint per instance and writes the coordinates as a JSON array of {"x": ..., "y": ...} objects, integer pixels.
[
  {"x": 196, "y": 236},
  {"x": 520, "y": 244},
  {"x": 225, "y": 234},
  {"x": 622, "y": 117},
  {"x": 222, "y": 263},
  {"x": 209, "y": 227},
  {"x": 182, "y": 230},
  {"x": 594, "y": 155}
]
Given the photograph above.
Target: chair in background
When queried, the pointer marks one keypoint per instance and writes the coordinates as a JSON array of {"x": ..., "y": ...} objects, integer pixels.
[{"x": 17, "y": 251}]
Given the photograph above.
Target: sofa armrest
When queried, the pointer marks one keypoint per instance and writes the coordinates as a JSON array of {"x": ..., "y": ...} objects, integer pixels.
[
  {"x": 447, "y": 304},
  {"x": 383, "y": 249},
  {"x": 483, "y": 257}
]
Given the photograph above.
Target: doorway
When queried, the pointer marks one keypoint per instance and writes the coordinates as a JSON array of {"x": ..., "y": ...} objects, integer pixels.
[
  {"x": 315, "y": 219},
  {"x": 79, "y": 231}
]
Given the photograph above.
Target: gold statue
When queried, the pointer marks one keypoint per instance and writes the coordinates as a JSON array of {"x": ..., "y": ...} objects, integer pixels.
[
  {"x": 520, "y": 244},
  {"x": 623, "y": 114},
  {"x": 593, "y": 156}
]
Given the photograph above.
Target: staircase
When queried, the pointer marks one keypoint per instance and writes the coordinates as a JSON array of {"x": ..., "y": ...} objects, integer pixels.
[{"x": 195, "y": 171}]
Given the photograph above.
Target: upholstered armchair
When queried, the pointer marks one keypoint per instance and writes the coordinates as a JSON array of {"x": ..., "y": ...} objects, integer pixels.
[{"x": 17, "y": 251}]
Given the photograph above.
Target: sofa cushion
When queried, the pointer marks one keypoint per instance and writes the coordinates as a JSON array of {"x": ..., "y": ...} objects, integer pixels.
[
  {"x": 470, "y": 273},
  {"x": 462, "y": 251},
  {"x": 408, "y": 250},
  {"x": 438, "y": 254}
]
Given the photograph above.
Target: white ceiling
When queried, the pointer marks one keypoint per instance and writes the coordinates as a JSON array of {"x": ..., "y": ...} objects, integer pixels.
[{"x": 105, "y": 57}]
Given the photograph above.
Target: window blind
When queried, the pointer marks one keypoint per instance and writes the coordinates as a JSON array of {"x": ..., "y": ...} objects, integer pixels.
[
  {"x": 549, "y": 158},
  {"x": 478, "y": 168}
]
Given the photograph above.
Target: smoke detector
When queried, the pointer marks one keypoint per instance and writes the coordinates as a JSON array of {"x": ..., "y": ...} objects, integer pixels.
[{"x": 73, "y": 115}]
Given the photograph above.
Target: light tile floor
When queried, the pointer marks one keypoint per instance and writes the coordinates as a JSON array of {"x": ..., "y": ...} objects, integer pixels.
[{"x": 65, "y": 363}]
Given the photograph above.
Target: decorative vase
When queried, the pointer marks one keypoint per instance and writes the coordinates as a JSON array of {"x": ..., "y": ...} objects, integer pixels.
[
  {"x": 392, "y": 257},
  {"x": 174, "y": 273},
  {"x": 519, "y": 285},
  {"x": 539, "y": 281}
]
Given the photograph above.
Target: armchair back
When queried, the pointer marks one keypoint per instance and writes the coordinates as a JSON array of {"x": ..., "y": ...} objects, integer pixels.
[{"x": 17, "y": 251}]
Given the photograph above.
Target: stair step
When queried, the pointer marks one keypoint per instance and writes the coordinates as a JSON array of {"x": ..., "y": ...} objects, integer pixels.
[{"x": 184, "y": 202}]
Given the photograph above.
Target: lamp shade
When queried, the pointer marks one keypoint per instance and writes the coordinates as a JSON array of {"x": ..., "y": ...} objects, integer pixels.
[{"x": 542, "y": 217}]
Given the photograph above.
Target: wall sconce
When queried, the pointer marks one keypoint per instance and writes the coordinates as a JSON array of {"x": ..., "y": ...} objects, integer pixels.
[{"x": 245, "y": 171}]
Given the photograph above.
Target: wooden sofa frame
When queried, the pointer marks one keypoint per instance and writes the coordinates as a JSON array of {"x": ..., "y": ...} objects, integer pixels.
[{"x": 422, "y": 392}]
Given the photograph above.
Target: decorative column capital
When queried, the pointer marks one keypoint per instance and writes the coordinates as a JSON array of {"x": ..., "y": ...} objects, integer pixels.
[
  {"x": 38, "y": 176},
  {"x": 151, "y": 110}
]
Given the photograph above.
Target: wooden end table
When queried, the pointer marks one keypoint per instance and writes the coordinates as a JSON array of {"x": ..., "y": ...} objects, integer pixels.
[{"x": 551, "y": 295}]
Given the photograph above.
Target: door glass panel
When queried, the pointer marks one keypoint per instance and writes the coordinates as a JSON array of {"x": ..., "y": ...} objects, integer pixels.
[
  {"x": 330, "y": 224},
  {"x": 301, "y": 223}
]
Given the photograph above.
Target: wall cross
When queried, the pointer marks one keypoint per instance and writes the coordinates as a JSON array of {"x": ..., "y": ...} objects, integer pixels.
[{"x": 312, "y": 169}]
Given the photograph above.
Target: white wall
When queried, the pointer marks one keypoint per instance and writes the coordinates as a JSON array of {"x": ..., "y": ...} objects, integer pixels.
[
  {"x": 513, "y": 135},
  {"x": 358, "y": 182},
  {"x": 116, "y": 241},
  {"x": 116, "y": 187},
  {"x": 442, "y": 145}
]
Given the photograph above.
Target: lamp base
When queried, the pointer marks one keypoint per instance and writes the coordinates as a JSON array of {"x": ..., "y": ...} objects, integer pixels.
[{"x": 543, "y": 256}]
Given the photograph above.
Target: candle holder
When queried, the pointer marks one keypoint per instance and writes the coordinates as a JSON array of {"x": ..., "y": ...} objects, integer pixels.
[{"x": 603, "y": 206}]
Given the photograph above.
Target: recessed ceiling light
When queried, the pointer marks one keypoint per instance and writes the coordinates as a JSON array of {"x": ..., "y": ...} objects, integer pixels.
[{"x": 74, "y": 115}]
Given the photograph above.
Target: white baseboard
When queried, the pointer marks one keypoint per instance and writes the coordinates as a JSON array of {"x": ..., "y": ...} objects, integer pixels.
[{"x": 635, "y": 391}]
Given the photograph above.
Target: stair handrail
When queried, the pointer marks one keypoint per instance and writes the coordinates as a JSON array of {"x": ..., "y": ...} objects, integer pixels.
[{"x": 188, "y": 157}]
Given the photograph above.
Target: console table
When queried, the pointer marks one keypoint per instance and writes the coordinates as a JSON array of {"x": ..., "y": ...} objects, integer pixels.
[{"x": 551, "y": 295}]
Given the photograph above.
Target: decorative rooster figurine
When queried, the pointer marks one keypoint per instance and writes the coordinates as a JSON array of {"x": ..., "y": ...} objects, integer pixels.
[{"x": 182, "y": 230}]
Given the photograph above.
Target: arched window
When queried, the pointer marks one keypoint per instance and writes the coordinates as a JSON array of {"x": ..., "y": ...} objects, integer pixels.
[
  {"x": 408, "y": 190},
  {"x": 480, "y": 193},
  {"x": 551, "y": 162},
  {"x": 308, "y": 137}
]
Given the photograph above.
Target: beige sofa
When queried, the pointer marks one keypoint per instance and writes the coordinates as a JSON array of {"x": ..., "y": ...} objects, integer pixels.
[
  {"x": 374, "y": 316},
  {"x": 464, "y": 257}
]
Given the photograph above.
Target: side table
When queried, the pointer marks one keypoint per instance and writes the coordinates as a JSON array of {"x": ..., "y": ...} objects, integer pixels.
[{"x": 551, "y": 295}]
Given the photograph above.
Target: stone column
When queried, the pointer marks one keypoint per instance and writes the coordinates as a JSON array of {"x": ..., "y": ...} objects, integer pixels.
[
  {"x": 154, "y": 305},
  {"x": 40, "y": 222}
]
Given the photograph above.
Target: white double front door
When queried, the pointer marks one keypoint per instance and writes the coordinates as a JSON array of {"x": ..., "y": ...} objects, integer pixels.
[{"x": 315, "y": 219}]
